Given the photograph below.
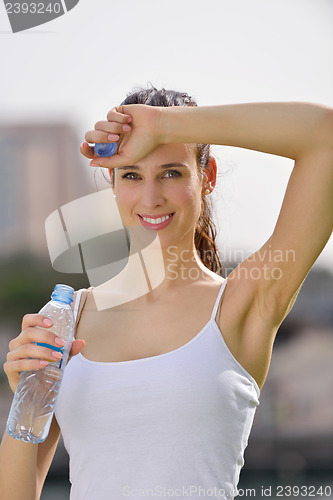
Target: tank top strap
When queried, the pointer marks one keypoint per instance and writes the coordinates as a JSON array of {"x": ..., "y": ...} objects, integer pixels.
[
  {"x": 77, "y": 302},
  {"x": 217, "y": 302},
  {"x": 80, "y": 300}
]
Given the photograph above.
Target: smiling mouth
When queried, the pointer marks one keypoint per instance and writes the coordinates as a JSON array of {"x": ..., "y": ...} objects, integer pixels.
[
  {"x": 156, "y": 223},
  {"x": 157, "y": 220}
]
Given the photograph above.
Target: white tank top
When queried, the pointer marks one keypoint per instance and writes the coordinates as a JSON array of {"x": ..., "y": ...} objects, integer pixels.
[{"x": 172, "y": 425}]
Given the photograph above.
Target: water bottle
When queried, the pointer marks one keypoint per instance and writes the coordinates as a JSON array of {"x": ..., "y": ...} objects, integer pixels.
[
  {"x": 34, "y": 400},
  {"x": 105, "y": 149}
]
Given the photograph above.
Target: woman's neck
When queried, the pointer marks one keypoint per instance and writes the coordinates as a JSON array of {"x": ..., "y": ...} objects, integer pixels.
[{"x": 151, "y": 272}]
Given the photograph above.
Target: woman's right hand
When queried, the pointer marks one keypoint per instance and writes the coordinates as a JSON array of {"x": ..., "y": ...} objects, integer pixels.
[
  {"x": 25, "y": 355},
  {"x": 135, "y": 127}
]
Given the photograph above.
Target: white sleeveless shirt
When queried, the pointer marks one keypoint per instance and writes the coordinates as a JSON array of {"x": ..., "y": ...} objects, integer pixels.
[{"x": 172, "y": 425}]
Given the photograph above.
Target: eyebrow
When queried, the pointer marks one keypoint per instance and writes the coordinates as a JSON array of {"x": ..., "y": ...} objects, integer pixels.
[{"x": 165, "y": 166}]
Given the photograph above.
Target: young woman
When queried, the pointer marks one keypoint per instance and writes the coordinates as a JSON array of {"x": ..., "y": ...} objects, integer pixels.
[{"x": 160, "y": 392}]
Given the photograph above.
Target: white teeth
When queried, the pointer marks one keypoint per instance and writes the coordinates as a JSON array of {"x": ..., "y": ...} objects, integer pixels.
[{"x": 156, "y": 221}]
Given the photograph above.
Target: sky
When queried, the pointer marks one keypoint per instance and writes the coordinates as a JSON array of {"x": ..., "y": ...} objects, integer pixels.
[{"x": 80, "y": 65}]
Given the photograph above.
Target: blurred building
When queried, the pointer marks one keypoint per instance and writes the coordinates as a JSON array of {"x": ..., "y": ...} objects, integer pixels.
[
  {"x": 316, "y": 302},
  {"x": 40, "y": 170},
  {"x": 293, "y": 427}
]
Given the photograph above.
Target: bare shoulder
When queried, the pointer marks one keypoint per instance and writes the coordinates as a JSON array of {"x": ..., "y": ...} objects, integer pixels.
[{"x": 249, "y": 335}]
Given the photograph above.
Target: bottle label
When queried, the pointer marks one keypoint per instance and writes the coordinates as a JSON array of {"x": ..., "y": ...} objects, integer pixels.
[
  {"x": 57, "y": 364},
  {"x": 54, "y": 348}
]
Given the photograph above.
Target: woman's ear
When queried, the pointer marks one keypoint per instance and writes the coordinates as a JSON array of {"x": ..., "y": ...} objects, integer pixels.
[{"x": 210, "y": 174}]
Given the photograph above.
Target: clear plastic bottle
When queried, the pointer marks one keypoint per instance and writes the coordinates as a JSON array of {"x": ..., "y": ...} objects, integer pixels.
[{"x": 34, "y": 400}]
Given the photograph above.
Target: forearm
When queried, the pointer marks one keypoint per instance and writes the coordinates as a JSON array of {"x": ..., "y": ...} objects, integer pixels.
[
  {"x": 286, "y": 129},
  {"x": 17, "y": 469}
]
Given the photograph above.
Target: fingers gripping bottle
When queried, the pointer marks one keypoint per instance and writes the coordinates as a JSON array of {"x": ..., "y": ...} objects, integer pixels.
[{"x": 34, "y": 400}]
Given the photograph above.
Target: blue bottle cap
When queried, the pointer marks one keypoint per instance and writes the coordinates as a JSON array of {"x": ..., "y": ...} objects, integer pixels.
[
  {"x": 63, "y": 293},
  {"x": 105, "y": 149}
]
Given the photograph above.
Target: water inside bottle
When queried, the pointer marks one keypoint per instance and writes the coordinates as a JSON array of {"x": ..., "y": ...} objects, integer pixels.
[{"x": 33, "y": 405}]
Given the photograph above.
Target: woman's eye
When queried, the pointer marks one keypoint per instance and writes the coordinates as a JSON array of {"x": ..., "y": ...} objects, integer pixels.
[
  {"x": 173, "y": 173},
  {"x": 130, "y": 175},
  {"x": 135, "y": 176}
]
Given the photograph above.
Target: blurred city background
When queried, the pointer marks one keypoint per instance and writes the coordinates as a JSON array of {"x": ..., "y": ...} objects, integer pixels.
[{"x": 60, "y": 79}]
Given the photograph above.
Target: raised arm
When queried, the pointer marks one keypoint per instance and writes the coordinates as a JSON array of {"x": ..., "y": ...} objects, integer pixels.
[
  {"x": 282, "y": 128},
  {"x": 300, "y": 131},
  {"x": 285, "y": 129}
]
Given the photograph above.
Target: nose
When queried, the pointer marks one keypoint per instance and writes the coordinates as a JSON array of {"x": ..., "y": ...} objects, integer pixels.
[{"x": 152, "y": 195}]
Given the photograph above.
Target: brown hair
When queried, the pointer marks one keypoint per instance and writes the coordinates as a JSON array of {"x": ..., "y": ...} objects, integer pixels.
[{"x": 205, "y": 231}]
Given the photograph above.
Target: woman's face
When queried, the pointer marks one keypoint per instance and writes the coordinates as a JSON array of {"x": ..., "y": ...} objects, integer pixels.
[{"x": 162, "y": 193}]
